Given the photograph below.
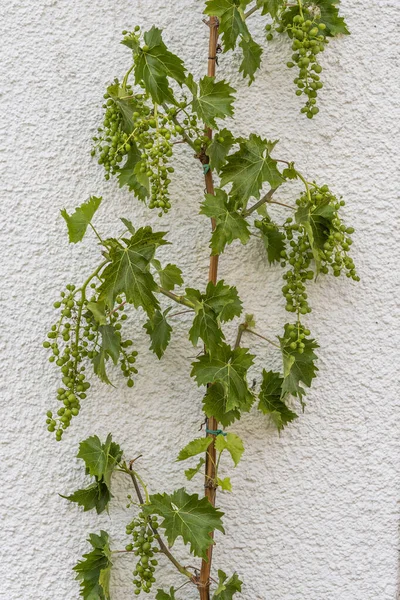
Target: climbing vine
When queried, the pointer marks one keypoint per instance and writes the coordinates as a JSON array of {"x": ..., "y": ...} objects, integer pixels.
[{"x": 156, "y": 105}]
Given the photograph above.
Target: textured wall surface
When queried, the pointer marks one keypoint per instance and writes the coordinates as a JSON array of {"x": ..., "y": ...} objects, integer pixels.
[{"x": 315, "y": 511}]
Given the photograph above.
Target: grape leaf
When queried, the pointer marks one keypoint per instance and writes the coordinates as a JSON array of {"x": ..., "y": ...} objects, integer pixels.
[
  {"x": 129, "y": 174},
  {"x": 225, "y": 484},
  {"x": 214, "y": 405},
  {"x": 186, "y": 516},
  {"x": 330, "y": 16},
  {"x": 170, "y": 276},
  {"x": 230, "y": 225},
  {"x": 251, "y": 62},
  {"x": 129, "y": 272},
  {"x": 94, "y": 571},
  {"x": 317, "y": 224},
  {"x": 161, "y": 595},
  {"x": 274, "y": 240},
  {"x": 78, "y": 222},
  {"x": 224, "y": 300},
  {"x": 232, "y": 23},
  {"x": 270, "y": 7},
  {"x": 249, "y": 167},
  {"x": 97, "y": 496},
  {"x": 190, "y": 473},
  {"x": 154, "y": 66},
  {"x": 298, "y": 368},
  {"x": 229, "y": 368},
  {"x": 233, "y": 444},
  {"x": 159, "y": 331},
  {"x": 98, "y": 311},
  {"x": 271, "y": 402},
  {"x": 195, "y": 447},
  {"x": 110, "y": 347},
  {"x": 219, "y": 148},
  {"x": 100, "y": 459},
  {"x": 226, "y": 589},
  {"x": 215, "y": 100},
  {"x": 220, "y": 302}
]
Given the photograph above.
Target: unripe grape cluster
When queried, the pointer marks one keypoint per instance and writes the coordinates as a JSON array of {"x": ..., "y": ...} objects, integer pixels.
[
  {"x": 74, "y": 338},
  {"x": 294, "y": 337},
  {"x": 309, "y": 39},
  {"x": 337, "y": 239},
  {"x": 299, "y": 257},
  {"x": 144, "y": 547}
]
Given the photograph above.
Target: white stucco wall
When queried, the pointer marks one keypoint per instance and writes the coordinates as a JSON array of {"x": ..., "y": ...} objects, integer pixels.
[{"x": 314, "y": 515}]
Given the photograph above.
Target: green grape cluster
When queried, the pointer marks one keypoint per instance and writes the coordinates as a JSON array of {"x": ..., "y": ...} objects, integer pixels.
[
  {"x": 308, "y": 41},
  {"x": 74, "y": 338},
  {"x": 299, "y": 257},
  {"x": 67, "y": 355},
  {"x": 144, "y": 547},
  {"x": 127, "y": 358},
  {"x": 336, "y": 241},
  {"x": 294, "y": 337}
]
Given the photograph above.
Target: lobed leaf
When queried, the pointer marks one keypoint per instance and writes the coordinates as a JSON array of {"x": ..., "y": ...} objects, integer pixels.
[
  {"x": 271, "y": 402},
  {"x": 78, "y": 222},
  {"x": 94, "y": 571},
  {"x": 186, "y": 516}
]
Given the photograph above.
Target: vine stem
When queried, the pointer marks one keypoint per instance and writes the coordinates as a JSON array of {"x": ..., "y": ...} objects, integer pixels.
[{"x": 212, "y": 423}]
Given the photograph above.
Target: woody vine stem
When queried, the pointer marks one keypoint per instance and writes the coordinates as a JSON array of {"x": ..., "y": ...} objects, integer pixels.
[{"x": 154, "y": 108}]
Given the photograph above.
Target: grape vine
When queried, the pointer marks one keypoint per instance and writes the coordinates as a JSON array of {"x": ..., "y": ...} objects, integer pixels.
[{"x": 154, "y": 106}]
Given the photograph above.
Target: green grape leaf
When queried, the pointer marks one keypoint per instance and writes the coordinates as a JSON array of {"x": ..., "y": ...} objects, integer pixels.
[
  {"x": 214, "y": 405},
  {"x": 190, "y": 473},
  {"x": 159, "y": 331},
  {"x": 317, "y": 224},
  {"x": 329, "y": 11},
  {"x": 110, "y": 347},
  {"x": 219, "y": 148},
  {"x": 220, "y": 303},
  {"x": 161, "y": 595},
  {"x": 205, "y": 326},
  {"x": 224, "y": 300},
  {"x": 232, "y": 23},
  {"x": 232, "y": 444},
  {"x": 213, "y": 101},
  {"x": 298, "y": 368},
  {"x": 94, "y": 571},
  {"x": 78, "y": 222},
  {"x": 98, "y": 310},
  {"x": 227, "y": 589},
  {"x": 249, "y": 167},
  {"x": 230, "y": 225},
  {"x": 100, "y": 459},
  {"x": 129, "y": 174},
  {"x": 186, "y": 516},
  {"x": 225, "y": 484},
  {"x": 229, "y": 368},
  {"x": 270, "y": 7},
  {"x": 274, "y": 240},
  {"x": 170, "y": 276},
  {"x": 271, "y": 402},
  {"x": 156, "y": 65},
  {"x": 195, "y": 447},
  {"x": 251, "y": 62},
  {"x": 330, "y": 16},
  {"x": 97, "y": 496},
  {"x": 129, "y": 270}
]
